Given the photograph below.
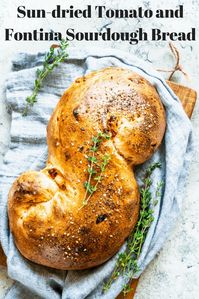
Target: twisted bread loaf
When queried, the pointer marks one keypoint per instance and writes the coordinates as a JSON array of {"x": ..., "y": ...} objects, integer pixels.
[{"x": 49, "y": 223}]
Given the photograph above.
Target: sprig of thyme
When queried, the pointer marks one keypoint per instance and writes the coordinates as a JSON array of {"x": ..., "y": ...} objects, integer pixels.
[
  {"x": 52, "y": 60},
  {"x": 127, "y": 261},
  {"x": 93, "y": 161}
]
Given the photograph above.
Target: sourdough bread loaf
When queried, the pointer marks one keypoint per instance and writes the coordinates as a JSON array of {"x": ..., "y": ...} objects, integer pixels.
[{"x": 50, "y": 224}]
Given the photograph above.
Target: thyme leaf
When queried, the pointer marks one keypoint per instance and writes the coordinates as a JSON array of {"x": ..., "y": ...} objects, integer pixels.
[
  {"x": 52, "y": 59},
  {"x": 126, "y": 264},
  {"x": 92, "y": 172}
]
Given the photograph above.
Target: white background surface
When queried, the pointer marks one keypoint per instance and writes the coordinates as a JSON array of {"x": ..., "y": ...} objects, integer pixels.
[{"x": 175, "y": 271}]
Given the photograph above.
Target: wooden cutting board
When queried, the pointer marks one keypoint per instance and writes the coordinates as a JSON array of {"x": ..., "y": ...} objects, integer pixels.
[{"x": 188, "y": 98}]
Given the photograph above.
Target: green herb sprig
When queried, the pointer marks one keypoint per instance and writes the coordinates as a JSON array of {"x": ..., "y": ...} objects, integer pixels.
[
  {"x": 93, "y": 162},
  {"x": 127, "y": 261},
  {"x": 52, "y": 60}
]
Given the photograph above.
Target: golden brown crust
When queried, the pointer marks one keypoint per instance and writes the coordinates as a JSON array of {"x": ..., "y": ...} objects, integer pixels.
[{"x": 46, "y": 217}]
